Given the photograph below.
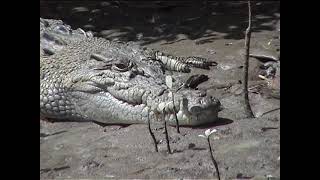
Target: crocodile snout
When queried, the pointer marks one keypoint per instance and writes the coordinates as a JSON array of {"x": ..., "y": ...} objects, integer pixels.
[
  {"x": 206, "y": 103},
  {"x": 198, "y": 110}
]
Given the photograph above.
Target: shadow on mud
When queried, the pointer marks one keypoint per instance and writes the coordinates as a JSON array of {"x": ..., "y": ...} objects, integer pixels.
[
  {"x": 150, "y": 22},
  {"x": 219, "y": 122},
  {"x": 115, "y": 124},
  {"x": 46, "y": 135}
]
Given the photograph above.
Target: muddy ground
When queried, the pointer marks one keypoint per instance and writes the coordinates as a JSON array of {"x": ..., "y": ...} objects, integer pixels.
[{"x": 244, "y": 148}]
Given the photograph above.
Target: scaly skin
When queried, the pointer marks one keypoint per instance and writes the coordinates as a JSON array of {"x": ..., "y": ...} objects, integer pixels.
[{"x": 86, "y": 78}]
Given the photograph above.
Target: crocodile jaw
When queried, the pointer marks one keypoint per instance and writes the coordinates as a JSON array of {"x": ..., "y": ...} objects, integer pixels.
[{"x": 105, "y": 108}]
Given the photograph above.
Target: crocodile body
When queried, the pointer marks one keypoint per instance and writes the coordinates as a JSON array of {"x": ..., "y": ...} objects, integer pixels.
[{"x": 86, "y": 78}]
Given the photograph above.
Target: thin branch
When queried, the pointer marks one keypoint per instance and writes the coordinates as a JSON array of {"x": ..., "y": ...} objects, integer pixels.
[
  {"x": 248, "y": 110},
  {"x": 213, "y": 160},
  {"x": 152, "y": 135},
  {"x": 174, "y": 108},
  {"x": 166, "y": 133},
  {"x": 175, "y": 114}
]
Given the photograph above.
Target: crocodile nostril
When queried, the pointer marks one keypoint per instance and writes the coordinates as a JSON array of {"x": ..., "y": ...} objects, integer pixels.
[{"x": 195, "y": 109}]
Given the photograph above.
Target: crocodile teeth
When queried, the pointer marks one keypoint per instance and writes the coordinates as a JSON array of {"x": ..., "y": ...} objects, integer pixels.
[
  {"x": 161, "y": 106},
  {"x": 167, "y": 107}
]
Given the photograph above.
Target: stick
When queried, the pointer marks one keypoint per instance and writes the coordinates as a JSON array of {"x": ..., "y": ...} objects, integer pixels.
[
  {"x": 166, "y": 132},
  {"x": 175, "y": 115},
  {"x": 267, "y": 57},
  {"x": 152, "y": 135},
  {"x": 213, "y": 160},
  {"x": 248, "y": 110}
]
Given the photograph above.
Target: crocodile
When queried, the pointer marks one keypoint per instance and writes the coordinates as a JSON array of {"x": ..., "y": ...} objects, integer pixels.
[{"x": 88, "y": 78}]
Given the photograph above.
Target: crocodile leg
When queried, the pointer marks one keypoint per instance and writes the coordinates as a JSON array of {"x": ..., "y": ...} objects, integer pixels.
[
  {"x": 172, "y": 62},
  {"x": 182, "y": 64},
  {"x": 198, "y": 62}
]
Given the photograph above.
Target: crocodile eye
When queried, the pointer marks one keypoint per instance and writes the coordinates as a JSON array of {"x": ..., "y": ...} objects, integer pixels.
[{"x": 121, "y": 67}]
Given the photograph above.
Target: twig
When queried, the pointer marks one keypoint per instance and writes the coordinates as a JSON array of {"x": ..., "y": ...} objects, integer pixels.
[
  {"x": 166, "y": 132},
  {"x": 269, "y": 111},
  {"x": 213, "y": 160},
  {"x": 248, "y": 110},
  {"x": 175, "y": 114},
  {"x": 265, "y": 58},
  {"x": 174, "y": 108},
  {"x": 152, "y": 135}
]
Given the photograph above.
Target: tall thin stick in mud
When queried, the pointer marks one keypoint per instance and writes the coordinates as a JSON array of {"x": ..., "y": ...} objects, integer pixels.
[
  {"x": 169, "y": 84},
  {"x": 175, "y": 114},
  {"x": 166, "y": 133},
  {"x": 152, "y": 135},
  {"x": 213, "y": 160},
  {"x": 247, "y": 108}
]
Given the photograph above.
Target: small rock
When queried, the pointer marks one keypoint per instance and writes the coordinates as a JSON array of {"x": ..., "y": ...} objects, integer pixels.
[{"x": 58, "y": 146}]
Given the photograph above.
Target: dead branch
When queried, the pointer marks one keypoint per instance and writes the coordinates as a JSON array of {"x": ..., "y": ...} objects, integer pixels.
[{"x": 247, "y": 108}]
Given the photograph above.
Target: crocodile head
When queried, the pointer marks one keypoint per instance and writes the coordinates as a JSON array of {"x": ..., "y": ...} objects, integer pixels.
[
  {"x": 122, "y": 92},
  {"x": 115, "y": 83}
]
